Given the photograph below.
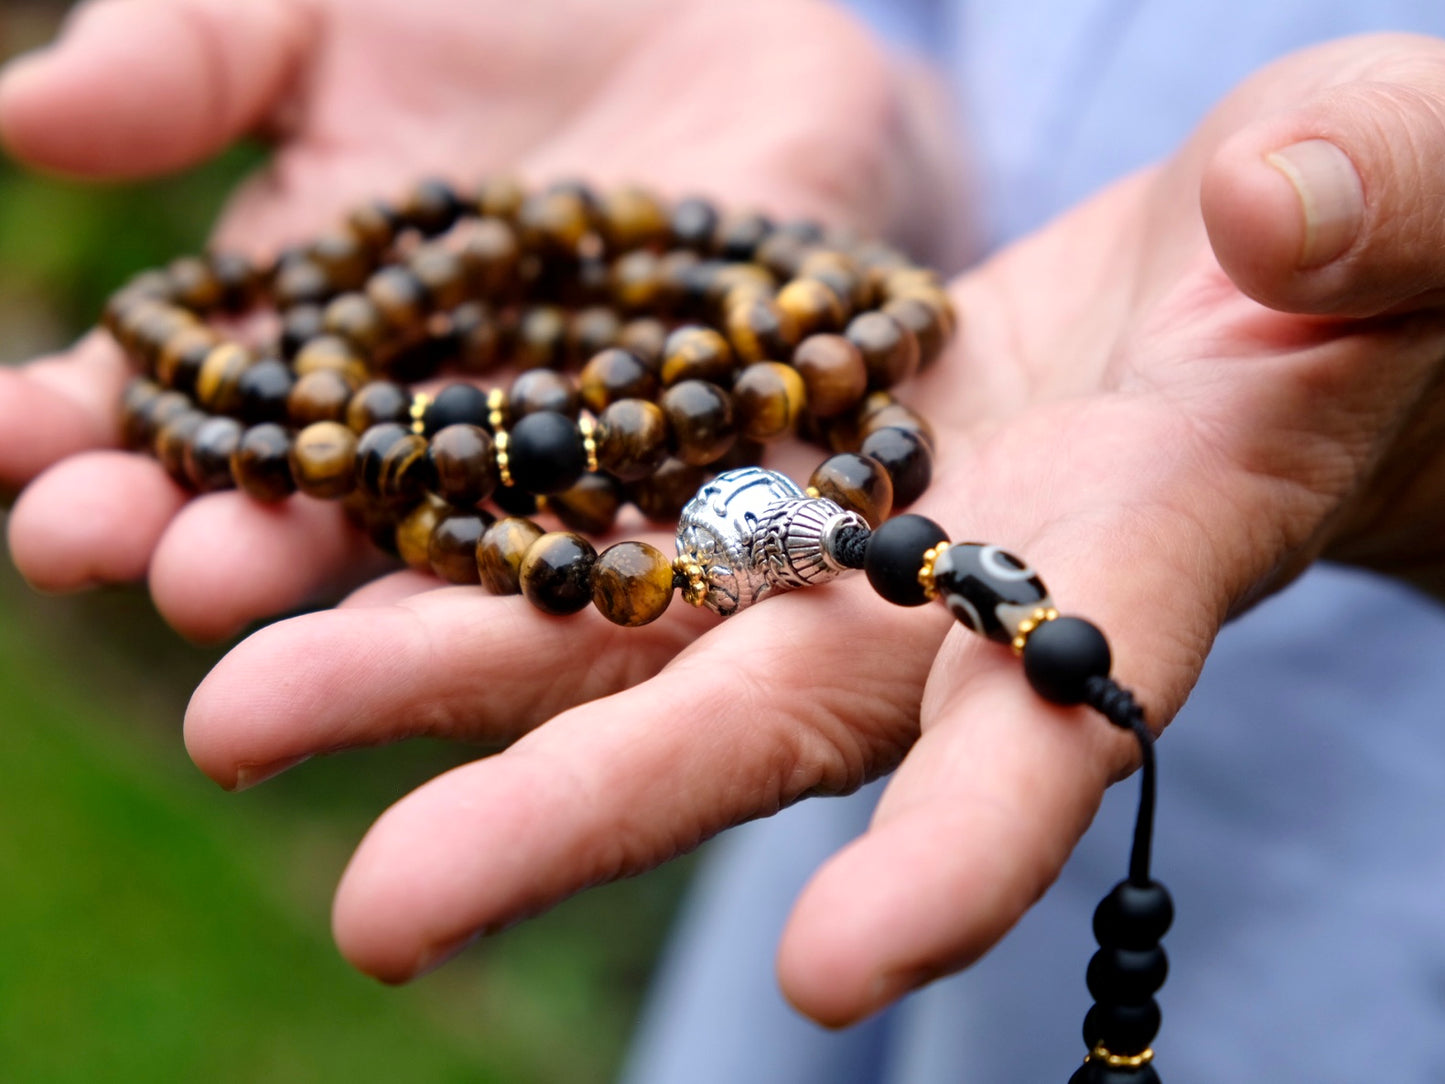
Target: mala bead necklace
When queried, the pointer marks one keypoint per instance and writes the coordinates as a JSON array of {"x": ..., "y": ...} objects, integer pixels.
[{"x": 697, "y": 339}]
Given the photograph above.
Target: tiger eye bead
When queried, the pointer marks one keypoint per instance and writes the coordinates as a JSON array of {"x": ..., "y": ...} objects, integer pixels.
[
  {"x": 354, "y": 317},
  {"x": 631, "y": 439},
  {"x": 301, "y": 282},
  {"x": 323, "y": 460},
  {"x": 897, "y": 416},
  {"x": 590, "y": 506},
  {"x": 218, "y": 383},
  {"x": 500, "y": 551},
  {"x": 693, "y": 223},
  {"x": 615, "y": 374},
  {"x": 299, "y": 325},
  {"x": 700, "y": 416},
  {"x": 857, "y": 484},
  {"x": 238, "y": 278},
  {"x": 261, "y": 464},
  {"x": 833, "y": 372},
  {"x": 344, "y": 258},
  {"x": 927, "y": 323},
  {"x": 543, "y": 389},
  {"x": 554, "y": 221},
  {"x": 490, "y": 252},
  {"x": 556, "y": 573},
  {"x": 373, "y": 224},
  {"x": 644, "y": 337},
  {"x": 452, "y": 549},
  {"x": 632, "y": 583},
  {"x": 631, "y": 218},
  {"x": 590, "y": 331},
  {"x": 463, "y": 464},
  {"x": 146, "y": 409},
  {"x": 263, "y": 389},
  {"x": 478, "y": 337},
  {"x": 760, "y": 329},
  {"x": 500, "y": 196},
  {"x": 737, "y": 236},
  {"x": 208, "y": 454},
  {"x": 696, "y": 353},
  {"x": 442, "y": 273},
  {"x": 392, "y": 463},
  {"x": 179, "y": 362},
  {"x": 321, "y": 396},
  {"x": 661, "y": 496},
  {"x": 541, "y": 338},
  {"x": 414, "y": 532},
  {"x": 635, "y": 281},
  {"x": 768, "y": 397},
  {"x": 196, "y": 285},
  {"x": 400, "y": 298},
  {"x": 174, "y": 438},
  {"x": 890, "y": 350},
  {"x": 813, "y": 306},
  {"x": 330, "y": 352},
  {"x": 431, "y": 206},
  {"x": 378, "y": 402},
  {"x": 907, "y": 459},
  {"x": 839, "y": 272}
]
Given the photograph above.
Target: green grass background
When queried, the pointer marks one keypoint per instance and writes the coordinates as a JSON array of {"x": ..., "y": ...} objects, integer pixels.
[{"x": 154, "y": 928}]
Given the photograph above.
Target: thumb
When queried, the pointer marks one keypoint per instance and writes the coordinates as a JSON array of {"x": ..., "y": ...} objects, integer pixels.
[
  {"x": 138, "y": 87},
  {"x": 1337, "y": 205}
]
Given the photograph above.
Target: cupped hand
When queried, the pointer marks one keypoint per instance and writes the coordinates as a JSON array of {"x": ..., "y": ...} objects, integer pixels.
[
  {"x": 1170, "y": 401},
  {"x": 787, "y": 106}
]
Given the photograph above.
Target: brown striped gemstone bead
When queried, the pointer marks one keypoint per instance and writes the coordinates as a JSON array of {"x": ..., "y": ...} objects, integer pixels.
[
  {"x": 635, "y": 281},
  {"x": 591, "y": 331},
  {"x": 179, "y": 362},
  {"x": 500, "y": 551},
  {"x": 631, "y": 439},
  {"x": 700, "y": 416},
  {"x": 195, "y": 284},
  {"x": 463, "y": 464},
  {"x": 414, "y": 532},
  {"x": 331, "y": 352},
  {"x": 356, "y": 319},
  {"x": 661, "y": 496},
  {"x": 452, "y": 549},
  {"x": 632, "y": 583},
  {"x": 760, "y": 329},
  {"x": 541, "y": 338},
  {"x": 768, "y": 398},
  {"x": 813, "y": 306},
  {"x": 208, "y": 454},
  {"x": 644, "y": 337},
  {"x": 632, "y": 218},
  {"x": 323, "y": 460},
  {"x": 857, "y": 483},
  {"x": 543, "y": 389},
  {"x": 343, "y": 256},
  {"x": 490, "y": 253},
  {"x": 376, "y": 403},
  {"x": 556, "y": 573},
  {"x": 500, "y": 196},
  {"x": 590, "y": 506},
  {"x": 928, "y": 324},
  {"x": 261, "y": 464},
  {"x": 218, "y": 381},
  {"x": 174, "y": 439},
  {"x": 400, "y": 298},
  {"x": 890, "y": 350},
  {"x": 906, "y": 457},
  {"x": 696, "y": 353},
  {"x": 321, "y": 396},
  {"x": 392, "y": 463},
  {"x": 442, "y": 273},
  {"x": 477, "y": 334},
  {"x": 616, "y": 374},
  {"x": 833, "y": 371}
]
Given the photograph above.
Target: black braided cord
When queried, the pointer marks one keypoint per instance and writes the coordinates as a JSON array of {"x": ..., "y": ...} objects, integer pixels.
[{"x": 1117, "y": 704}]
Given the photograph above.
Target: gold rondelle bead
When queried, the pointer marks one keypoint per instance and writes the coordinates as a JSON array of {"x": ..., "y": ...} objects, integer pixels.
[
  {"x": 504, "y": 461},
  {"x": 1101, "y": 1053},
  {"x": 695, "y": 590},
  {"x": 1028, "y": 624},
  {"x": 497, "y": 410},
  {"x": 812, "y": 491},
  {"x": 925, "y": 573},
  {"x": 587, "y": 426},
  {"x": 419, "y": 402}
]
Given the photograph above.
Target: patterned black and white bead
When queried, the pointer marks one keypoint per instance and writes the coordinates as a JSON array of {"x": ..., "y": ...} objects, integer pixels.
[{"x": 988, "y": 589}]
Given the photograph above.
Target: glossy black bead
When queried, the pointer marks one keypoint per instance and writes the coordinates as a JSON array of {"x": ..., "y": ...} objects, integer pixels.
[
  {"x": 1127, "y": 976},
  {"x": 455, "y": 404},
  {"x": 988, "y": 589},
  {"x": 1093, "y": 1072},
  {"x": 1133, "y": 916},
  {"x": 895, "y": 556},
  {"x": 1123, "y": 1029},
  {"x": 1062, "y": 655},
  {"x": 263, "y": 389},
  {"x": 907, "y": 459},
  {"x": 693, "y": 223},
  {"x": 545, "y": 453}
]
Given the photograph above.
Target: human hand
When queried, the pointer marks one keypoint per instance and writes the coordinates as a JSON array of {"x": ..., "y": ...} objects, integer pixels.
[
  {"x": 364, "y": 97},
  {"x": 1162, "y": 447}
]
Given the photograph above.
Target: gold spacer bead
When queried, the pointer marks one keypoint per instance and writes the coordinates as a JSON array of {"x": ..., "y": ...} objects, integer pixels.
[
  {"x": 504, "y": 463},
  {"x": 925, "y": 574},
  {"x": 1028, "y": 624},
  {"x": 419, "y": 402},
  {"x": 497, "y": 410},
  {"x": 695, "y": 589},
  {"x": 587, "y": 426},
  {"x": 812, "y": 491},
  {"x": 1120, "y": 1061}
]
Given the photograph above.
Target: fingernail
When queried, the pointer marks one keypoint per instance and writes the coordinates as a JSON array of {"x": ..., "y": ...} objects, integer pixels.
[
  {"x": 248, "y": 775},
  {"x": 434, "y": 957},
  {"x": 1331, "y": 197}
]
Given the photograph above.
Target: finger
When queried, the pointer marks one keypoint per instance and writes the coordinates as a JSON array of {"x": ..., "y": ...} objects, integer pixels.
[
  {"x": 453, "y": 662},
  {"x": 138, "y": 87},
  {"x": 1335, "y": 205},
  {"x": 751, "y": 719},
  {"x": 227, "y": 560},
  {"x": 388, "y": 590},
  {"x": 59, "y": 406},
  {"x": 92, "y": 519}
]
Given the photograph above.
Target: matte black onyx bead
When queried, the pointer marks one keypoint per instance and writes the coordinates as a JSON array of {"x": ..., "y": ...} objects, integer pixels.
[
  {"x": 546, "y": 453},
  {"x": 1133, "y": 916},
  {"x": 988, "y": 589},
  {"x": 264, "y": 388},
  {"x": 455, "y": 404},
  {"x": 556, "y": 573},
  {"x": 1094, "y": 1072},
  {"x": 1127, "y": 976},
  {"x": 1123, "y": 1029},
  {"x": 1062, "y": 655},
  {"x": 895, "y": 556},
  {"x": 906, "y": 457}
]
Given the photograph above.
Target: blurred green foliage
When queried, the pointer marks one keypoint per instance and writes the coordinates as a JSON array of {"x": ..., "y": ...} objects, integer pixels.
[{"x": 157, "y": 929}]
